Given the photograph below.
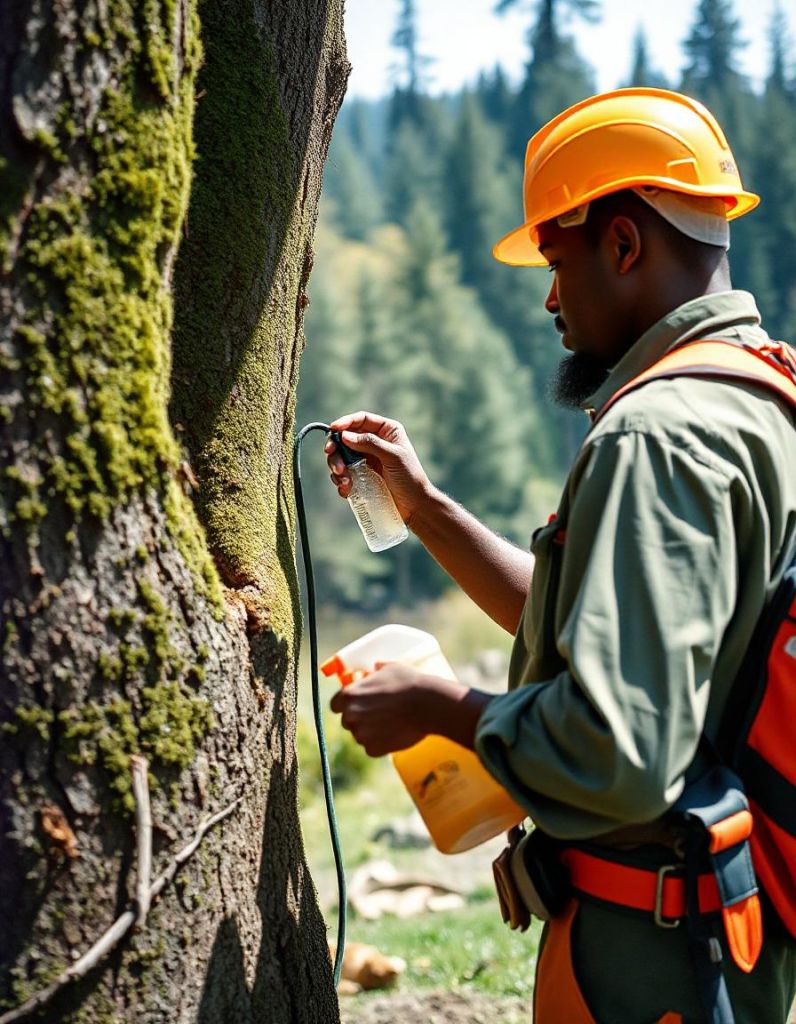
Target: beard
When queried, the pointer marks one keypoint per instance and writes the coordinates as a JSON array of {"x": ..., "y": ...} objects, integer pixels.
[{"x": 576, "y": 377}]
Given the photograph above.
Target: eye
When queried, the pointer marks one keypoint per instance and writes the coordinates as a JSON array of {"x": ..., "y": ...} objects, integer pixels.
[{"x": 552, "y": 266}]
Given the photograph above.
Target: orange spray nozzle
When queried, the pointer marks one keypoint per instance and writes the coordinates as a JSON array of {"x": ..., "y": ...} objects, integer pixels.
[{"x": 335, "y": 666}]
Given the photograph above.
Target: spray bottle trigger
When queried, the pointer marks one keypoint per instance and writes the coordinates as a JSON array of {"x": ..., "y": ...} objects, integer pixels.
[{"x": 333, "y": 666}]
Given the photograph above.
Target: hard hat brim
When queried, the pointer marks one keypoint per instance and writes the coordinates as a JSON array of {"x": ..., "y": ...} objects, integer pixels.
[{"x": 518, "y": 249}]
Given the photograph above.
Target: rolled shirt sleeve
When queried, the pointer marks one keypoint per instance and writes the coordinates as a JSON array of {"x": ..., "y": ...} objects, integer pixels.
[{"x": 646, "y": 586}]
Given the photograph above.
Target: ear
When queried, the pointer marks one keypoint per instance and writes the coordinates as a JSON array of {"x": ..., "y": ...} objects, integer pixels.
[{"x": 624, "y": 239}]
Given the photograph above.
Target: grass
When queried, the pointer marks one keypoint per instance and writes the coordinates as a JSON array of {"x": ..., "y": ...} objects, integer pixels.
[
  {"x": 469, "y": 948},
  {"x": 465, "y": 949}
]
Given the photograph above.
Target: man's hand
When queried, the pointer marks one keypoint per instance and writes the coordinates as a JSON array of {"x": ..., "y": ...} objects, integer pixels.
[
  {"x": 389, "y": 451},
  {"x": 384, "y": 712},
  {"x": 493, "y": 571},
  {"x": 397, "y": 706}
]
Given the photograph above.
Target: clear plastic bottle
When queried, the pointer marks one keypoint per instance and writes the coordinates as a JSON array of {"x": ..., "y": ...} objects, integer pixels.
[{"x": 371, "y": 501}]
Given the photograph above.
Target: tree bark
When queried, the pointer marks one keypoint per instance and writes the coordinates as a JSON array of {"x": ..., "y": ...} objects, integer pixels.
[{"x": 148, "y": 592}]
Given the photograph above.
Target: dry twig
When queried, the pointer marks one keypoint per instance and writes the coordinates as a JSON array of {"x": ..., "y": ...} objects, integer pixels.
[{"x": 143, "y": 837}]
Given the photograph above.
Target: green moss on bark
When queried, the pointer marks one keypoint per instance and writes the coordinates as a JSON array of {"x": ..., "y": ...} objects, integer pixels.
[
  {"x": 154, "y": 708},
  {"x": 92, "y": 260},
  {"x": 230, "y": 338},
  {"x": 165, "y": 723},
  {"x": 31, "y": 717}
]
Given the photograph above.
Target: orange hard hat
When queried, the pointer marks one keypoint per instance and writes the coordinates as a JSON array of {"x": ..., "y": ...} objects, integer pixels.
[{"x": 618, "y": 140}]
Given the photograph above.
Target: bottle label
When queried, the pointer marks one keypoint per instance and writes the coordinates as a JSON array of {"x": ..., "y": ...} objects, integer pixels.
[
  {"x": 364, "y": 520},
  {"x": 440, "y": 784}
]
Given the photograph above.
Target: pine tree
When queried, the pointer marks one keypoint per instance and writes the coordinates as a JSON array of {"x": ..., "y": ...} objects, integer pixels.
[
  {"x": 556, "y": 75},
  {"x": 391, "y": 328},
  {"x": 413, "y": 168},
  {"x": 780, "y": 42},
  {"x": 479, "y": 199},
  {"x": 775, "y": 174},
  {"x": 712, "y": 75},
  {"x": 334, "y": 380},
  {"x": 483, "y": 201},
  {"x": 477, "y": 403},
  {"x": 417, "y": 126},
  {"x": 327, "y": 385},
  {"x": 642, "y": 72},
  {"x": 364, "y": 125},
  {"x": 352, "y": 189},
  {"x": 412, "y": 72},
  {"x": 713, "y": 44},
  {"x": 494, "y": 95},
  {"x": 389, "y": 358}
]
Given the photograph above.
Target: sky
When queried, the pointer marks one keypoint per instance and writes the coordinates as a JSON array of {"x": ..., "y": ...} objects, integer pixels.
[{"x": 466, "y": 36}]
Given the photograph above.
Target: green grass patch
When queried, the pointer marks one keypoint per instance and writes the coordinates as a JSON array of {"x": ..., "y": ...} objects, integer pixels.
[
  {"x": 467, "y": 948},
  {"x": 361, "y": 810}
]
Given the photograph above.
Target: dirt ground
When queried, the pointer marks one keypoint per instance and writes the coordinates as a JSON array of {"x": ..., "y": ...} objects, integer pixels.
[
  {"x": 433, "y": 1008},
  {"x": 439, "y": 1008}
]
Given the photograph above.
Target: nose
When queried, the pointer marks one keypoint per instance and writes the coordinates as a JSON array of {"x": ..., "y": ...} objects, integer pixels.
[{"x": 551, "y": 302}]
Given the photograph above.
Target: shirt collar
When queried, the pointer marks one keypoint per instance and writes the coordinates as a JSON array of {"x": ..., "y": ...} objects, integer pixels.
[{"x": 705, "y": 316}]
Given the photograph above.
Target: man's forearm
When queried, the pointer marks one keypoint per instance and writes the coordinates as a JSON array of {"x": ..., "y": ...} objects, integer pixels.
[
  {"x": 493, "y": 572},
  {"x": 454, "y": 710}
]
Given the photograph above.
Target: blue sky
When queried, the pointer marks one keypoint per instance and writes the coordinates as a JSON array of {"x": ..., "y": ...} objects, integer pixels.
[{"x": 465, "y": 36}]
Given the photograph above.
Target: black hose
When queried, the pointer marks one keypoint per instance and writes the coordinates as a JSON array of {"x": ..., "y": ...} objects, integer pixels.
[{"x": 316, "y": 697}]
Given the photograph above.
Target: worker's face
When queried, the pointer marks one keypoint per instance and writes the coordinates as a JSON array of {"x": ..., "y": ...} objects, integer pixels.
[{"x": 588, "y": 300}]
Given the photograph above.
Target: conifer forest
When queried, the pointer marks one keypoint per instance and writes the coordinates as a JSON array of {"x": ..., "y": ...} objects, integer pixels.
[{"x": 410, "y": 315}]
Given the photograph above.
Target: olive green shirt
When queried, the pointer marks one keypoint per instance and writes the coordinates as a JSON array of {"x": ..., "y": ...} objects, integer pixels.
[{"x": 674, "y": 527}]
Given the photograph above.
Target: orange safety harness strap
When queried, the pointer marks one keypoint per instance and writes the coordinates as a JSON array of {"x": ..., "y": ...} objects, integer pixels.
[
  {"x": 773, "y": 366},
  {"x": 660, "y": 892},
  {"x": 557, "y": 998}
]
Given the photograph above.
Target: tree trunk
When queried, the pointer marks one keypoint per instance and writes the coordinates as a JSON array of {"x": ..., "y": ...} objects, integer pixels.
[{"x": 148, "y": 592}]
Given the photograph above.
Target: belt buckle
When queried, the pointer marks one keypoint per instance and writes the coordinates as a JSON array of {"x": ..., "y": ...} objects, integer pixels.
[{"x": 660, "y": 920}]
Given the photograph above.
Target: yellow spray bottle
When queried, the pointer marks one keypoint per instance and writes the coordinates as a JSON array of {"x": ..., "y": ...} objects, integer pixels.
[{"x": 460, "y": 802}]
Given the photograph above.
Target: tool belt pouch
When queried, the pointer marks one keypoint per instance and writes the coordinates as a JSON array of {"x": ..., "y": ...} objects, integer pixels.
[
  {"x": 512, "y": 908},
  {"x": 530, "y": 879}
]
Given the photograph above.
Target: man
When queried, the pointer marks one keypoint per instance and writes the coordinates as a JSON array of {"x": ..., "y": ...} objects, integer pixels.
[{"x": 640, "y": 596}]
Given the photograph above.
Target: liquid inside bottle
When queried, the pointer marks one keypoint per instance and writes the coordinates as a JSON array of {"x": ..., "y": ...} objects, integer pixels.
[
  {"x": 461, "y": 804},
  {"x": 374, "y": 508}
]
